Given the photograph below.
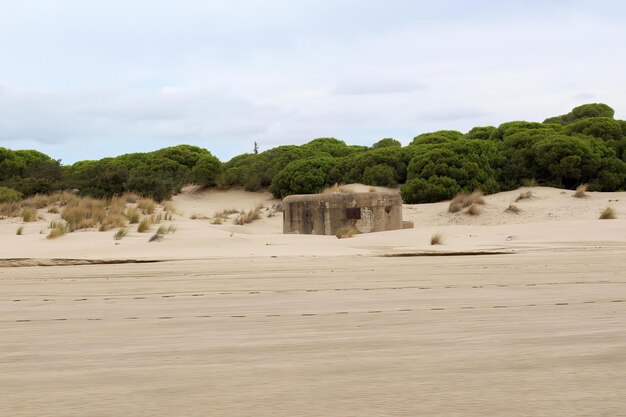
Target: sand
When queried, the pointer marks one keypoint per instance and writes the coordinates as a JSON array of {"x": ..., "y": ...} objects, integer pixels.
[{"x": 245, "y": 321}]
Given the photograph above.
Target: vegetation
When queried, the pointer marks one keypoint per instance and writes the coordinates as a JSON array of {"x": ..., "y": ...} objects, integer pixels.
[
  {"x": 347, "y": 231},
  {"x": 436, "y": 239},
  {"x": 586, "y": 145},
  {"x": 249, "y": 216},
  {"x": 120, "y": 234},
  {"x": 581, "y": 191},
  {"x": 608, "y": 213},
  {"x": 512, "y": 208}
]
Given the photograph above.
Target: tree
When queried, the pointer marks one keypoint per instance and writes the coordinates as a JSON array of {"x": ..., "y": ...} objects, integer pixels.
[
  {"x": 387, "y": 143},
  {"x": 441, "y": 136},
  {"x": 581, "y": 112},
  {"x": 207, "y": 171},
  {"x": 431, "y": 190},
  {"x": 381, "y": 175},
  {"x": 305, "y": 176}
]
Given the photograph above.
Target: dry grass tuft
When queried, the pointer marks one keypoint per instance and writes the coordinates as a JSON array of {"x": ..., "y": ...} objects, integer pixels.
[
  {"x": 249, "y": 216},
  {"x": 144, "y": 225},
  {"x": 168, "y": 206},
  {"x": 120, "y": 234},
  {"x": 53, "y": 210},
  {"x": 525, "y": 195},
  {"x": 512, "y": 208},
  {"x": 147, "y": 205},
  {"x": 473, "y": 210},
  {"x": 347, "y": 231},
  {"x": 59, "y": 230},
  {"x": 10, "y": 209},
  {"x": 463, "y": 200},
  {"x": 84, "y": 213},
  {"x": 133, "y": 215},
  {"x": 217, "y": 220},
  {"x": 112, "y": 221},
  {"x": 436, "y": 239},
  {"x": 20, "y": 230},
  {"x": 38, "y": 201},
  {"x": 581, "y": 191},
  {"x": 29, "y": 214},
  {"x": 164, "y": 230},
  {"x": 608, "y": 214},
  {"x": 131, "y": 198}
]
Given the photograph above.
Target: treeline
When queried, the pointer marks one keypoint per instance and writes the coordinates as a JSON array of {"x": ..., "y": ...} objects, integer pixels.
[{"x": 586, "y": 145}]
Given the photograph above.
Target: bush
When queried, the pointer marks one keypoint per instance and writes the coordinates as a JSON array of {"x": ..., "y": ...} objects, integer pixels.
[
  {"x": 207, "y": 171},
  {"x": 381, "y": 175},
  {"x": 9, "y": 195},
  {"x": 305, "y": 176},
  {"x": 433, "y": 189},
  {"x": 387, "y": 143}
]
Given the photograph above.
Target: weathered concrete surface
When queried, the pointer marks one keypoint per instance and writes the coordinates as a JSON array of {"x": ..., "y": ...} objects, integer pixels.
[{"x": 325, "y": 214}]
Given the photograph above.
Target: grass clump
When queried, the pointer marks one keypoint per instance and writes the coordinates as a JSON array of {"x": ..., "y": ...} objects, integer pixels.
[
  {"x": 133, "y": 215},
  {"x": 144, "y": 225},
  {"x": 112, "y": 221},
  {"x": 120, "y": 234},
  {"x": 84, "y": 213},
  {"x": 147, "y": 205},
  {"x": 512, "y": 208},
  {"x": 59, "y": 230},
  {"x": 581, "y": 191},
  {"x": 11, "y": 209},
  {"x": 20, "y": 230},
  {"x": 436, "y": 239},
  {"x": 608, "y": 214},
  {"x": 335, "y": 188},
  {"x": 464, "y": 200},
  {"x": 9, "y": 195},
  {"x": 164, "y": 230},
  {"x": 473, "y": 210},
  {"x": 525, "y": 195},
  {"x": 29, "y": 214},
  {"x": 217, "y": 220},
  {"x": 249, "y": 216},
  {"x": 347, "y": 231}
]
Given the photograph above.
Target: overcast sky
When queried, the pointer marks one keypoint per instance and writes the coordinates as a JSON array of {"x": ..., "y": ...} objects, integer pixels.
[{"x": 88, "y": 79}]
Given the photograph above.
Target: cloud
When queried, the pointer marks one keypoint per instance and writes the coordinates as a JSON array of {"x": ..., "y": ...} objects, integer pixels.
[{"x": 377, "y": 86}]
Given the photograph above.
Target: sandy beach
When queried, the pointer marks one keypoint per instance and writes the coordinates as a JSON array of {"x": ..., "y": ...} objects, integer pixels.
[{"x": 523, "y": 316}]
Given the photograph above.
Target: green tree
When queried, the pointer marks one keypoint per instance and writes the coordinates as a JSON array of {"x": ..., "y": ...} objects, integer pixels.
[
  {"x": 387, "y": 143},
  {"x": 207, "y": 171},
  {"x": 431, "y": 190},
  {"x": 305, "y": 176}
]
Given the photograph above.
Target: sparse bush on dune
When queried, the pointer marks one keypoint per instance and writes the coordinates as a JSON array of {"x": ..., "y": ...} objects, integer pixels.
[
  {"x": 9, "y": 195},
  {"x": 335, "y": 188},
  {"x": 473, "y": 210},
  {"x": 53, "y": 210},
  {"x": 249, "y": 216},
  {"x": 525, "y": 195},
  {"x": 59, "y": 230},
  {"x": 144, "y": 225},
  {"x": 608, "y": 214},
  {"x": 436, "y": 239},
  {"x": 463, "y": 200},
  {"x": 133, "y": 215},
  {"x": 147, "y": 205},
  {"x": 120, "y": 234},
  {"x": 29, "y": 214},
  {"x": 581, "y": 191},
  {"x": 84, "y": 213},
  {"x": 347, "y": 231},
  {"x": 39, "y": 201},
  {"x": 512, "y": 208},
  {"x": 10, "y": 209},
  {"x": 20, "y": 230},
  {"x": 113, "y": 221}
]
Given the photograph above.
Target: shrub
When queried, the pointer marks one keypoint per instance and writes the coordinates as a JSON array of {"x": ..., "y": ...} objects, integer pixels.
[
  {"x": 433, "y": 189},
  {"x": 512, "y": 208},
  {"x": 84, "y": 213},
  {"x": 436, "y": 239},
  {"x": 608, "y": 213},
  {"x": 9, "y": 195},
  {"x": 347, "y": 231},
  {"x": 59, "y": 230},
  {"x": 144, "y": 225},
  {"x": 249, "y": 216},
  {"x": 20, "y": 230},
  {"x": 463, "y": 200},
  {"x": 381, "y": 175},
  {"x": 120, "y": 234},
  {"x": 29, "y": 214},
  {"x": 473, "y": 210},
  {"x": 581, "y": 191},
  {"x": 207, "y": 171},
  {"x": 146, "y": 205},
  {"x": 10, "y": 209},
  {"x": 305, "y": 176},
  {"x": 133, "y": 215},
  {"x": 525, "y": 195},
  {"x": 164, "y": 230}
]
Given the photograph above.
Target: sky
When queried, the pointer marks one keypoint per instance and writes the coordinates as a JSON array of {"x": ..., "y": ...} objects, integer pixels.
[{"x": 91, "y": 79}]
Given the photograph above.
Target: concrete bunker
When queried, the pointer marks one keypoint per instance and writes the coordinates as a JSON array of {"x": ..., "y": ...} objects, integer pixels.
[{"x": 325, "y": 214}]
